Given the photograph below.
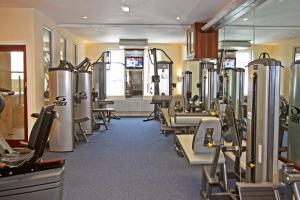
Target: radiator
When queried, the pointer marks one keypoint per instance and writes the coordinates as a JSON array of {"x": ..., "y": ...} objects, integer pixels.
[{"x": 132, "y": 105}]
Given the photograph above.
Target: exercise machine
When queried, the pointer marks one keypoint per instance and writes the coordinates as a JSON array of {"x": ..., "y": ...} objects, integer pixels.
[
  {"x": 61, "y": 94},
  {"x": 233, "y": 85},
  {"x": 163, "y": 70},
  {"x": 208, "y": 86},
  {"x": 23, "y": 173},
  {"x": 288, "y": 185},
  {"x": 263, "y": 119},
  {"x": 99, "y": 67},
  {"x": 83, "y": 109},
  {"x": 294, "y": 115}
]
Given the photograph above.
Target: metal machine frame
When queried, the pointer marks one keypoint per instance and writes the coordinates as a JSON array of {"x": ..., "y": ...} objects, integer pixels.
[{"x": 156, "y": 79}]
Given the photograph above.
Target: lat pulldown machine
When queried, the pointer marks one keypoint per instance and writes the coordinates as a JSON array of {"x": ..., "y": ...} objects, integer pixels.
[{"x": 160, "y": 97}]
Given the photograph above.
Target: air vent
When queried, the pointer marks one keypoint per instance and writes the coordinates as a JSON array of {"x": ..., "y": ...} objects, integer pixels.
[
  {"x": 235, "y": 44},
  {"x": 133, "y": 43}
]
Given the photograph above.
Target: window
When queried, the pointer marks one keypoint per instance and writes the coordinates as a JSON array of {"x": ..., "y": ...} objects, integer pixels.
[
  {"x": 115, "y": 75},
  {"x": 63, "y": 49},
  {"x": 75, "y": 54},
  {"x": 297, "y": 53},
  {"x": 149, "y": 72},
  {"x": 17, "y": 72},
  {"x": 242, "y": 60},
  {"x": 47, "y": 54}
]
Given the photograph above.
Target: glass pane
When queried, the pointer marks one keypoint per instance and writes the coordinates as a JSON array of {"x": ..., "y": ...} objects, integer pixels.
[
  {"x": 12, "y": 78},
  {"x": 148, "y": 73},
  {"x": 134, "y": 73},
  {"x": 115, "y": 75},
  {"x": 75, "y": 49},
  {"x": 63, "y": 48},
  {"x": 47, "y": 54},
  {"x": 297, "y": 54}
]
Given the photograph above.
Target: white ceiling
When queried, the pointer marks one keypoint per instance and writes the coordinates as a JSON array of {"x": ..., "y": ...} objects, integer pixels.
[
  {"x": 108, "y": 12},
  {"x": 274, "y": 20},
  {"x": 156, "y": 19}
]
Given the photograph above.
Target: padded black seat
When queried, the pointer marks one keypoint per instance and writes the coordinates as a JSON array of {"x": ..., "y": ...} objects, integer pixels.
[{"x": 37, "y": 142}]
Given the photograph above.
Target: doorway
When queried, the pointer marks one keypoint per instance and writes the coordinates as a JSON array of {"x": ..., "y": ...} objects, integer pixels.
[{"x": 13, "y": 120}]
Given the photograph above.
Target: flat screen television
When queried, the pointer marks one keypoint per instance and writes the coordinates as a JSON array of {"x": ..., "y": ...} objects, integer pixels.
[
  {"x": 229, "y": 62},
  {"x": 134, "y": 62}
]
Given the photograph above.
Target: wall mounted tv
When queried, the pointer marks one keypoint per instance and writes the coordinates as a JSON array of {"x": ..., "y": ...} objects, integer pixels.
[
  {"x": 229, "y": 63},
  {"x": 134, "y": 62}
]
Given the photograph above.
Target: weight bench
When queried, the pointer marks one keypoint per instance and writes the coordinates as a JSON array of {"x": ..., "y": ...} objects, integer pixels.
[
  {"x": 82, "y": 131},
  {"x": 101, "y": 112},
  {"x": 110, "y": 114},
  {"x": 198, "y": 149}
]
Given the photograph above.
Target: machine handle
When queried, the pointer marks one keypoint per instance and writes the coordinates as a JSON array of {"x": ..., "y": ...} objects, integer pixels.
[
  {"x": 264, "y": 55},
  {"x": 291, "y": 163}
]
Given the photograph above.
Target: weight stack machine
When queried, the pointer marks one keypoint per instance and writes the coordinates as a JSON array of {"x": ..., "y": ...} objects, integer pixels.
[
  {"x": 233, "y": 86},
  {"x": 61, "y": 94},
  {"x": 187, "y": 86},
  {"x": 209, "y": 80},
  {"x": 263, "y": 119},
  {"x": 294, "y": 114}
]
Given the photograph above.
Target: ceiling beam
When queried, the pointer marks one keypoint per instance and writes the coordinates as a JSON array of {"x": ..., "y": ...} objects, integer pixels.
[
  {"x": 262, "y": 27},
  {"x": 153, "y": 26},
  {"x": 231, "y": 12}
]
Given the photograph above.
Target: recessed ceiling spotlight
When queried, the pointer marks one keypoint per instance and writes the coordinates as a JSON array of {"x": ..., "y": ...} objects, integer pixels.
[
  {"x": 280, "y": 0},
  {"x": 125, "y": 9},
  {"x": 178, "y": 18},
  {"x": 85, "y": 17},
  {"x": 245, "y": 19}
]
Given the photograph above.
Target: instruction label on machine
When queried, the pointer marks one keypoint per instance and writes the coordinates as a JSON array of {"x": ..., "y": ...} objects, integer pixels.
[
  {"x": 259, "y": 153},
  {"x": 249, "y": 115}
]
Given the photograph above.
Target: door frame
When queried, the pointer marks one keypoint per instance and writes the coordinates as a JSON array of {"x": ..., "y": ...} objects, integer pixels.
[{"x": 22, "y": 48}]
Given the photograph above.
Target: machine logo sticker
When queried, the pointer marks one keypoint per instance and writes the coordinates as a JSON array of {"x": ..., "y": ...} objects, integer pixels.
[
  {"x": 60, "y": 101},
  {"x": 83, "y": 96},
  {"x": 295, "y": 115}
]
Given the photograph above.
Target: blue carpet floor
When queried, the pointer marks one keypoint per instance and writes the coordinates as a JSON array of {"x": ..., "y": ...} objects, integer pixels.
[{"x": 131, "y": 161}]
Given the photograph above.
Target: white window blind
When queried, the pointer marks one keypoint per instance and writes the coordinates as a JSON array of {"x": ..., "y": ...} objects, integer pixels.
[
  {"x": 149, "y": 72},
  {"x": 115, "y": 85},
  {"x": 242, "y": 60}
]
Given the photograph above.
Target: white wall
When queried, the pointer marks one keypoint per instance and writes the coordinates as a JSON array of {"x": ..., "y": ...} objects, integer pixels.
[
  {"x": 41, "y": 21},
  {"x": 23, "y": 26}
]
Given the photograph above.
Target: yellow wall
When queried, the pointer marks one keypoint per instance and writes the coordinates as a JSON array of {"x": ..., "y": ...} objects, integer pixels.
[
  {"x": 284, "y": 51},
  {"x": 174, "y": 51},
  {"x": 23, "y": 26}
]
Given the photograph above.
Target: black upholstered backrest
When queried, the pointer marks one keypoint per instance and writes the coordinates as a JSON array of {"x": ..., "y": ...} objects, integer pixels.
[
  {"x": 40, "y": 131},
  {"x": 37, "y": 129},
  {"x": 232, "y": 135}
]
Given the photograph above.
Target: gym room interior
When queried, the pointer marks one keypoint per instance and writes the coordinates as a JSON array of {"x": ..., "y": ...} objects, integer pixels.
[{"x": 149, "y": 99}]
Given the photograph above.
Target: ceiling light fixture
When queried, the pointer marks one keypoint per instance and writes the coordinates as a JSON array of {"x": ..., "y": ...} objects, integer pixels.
[
  {"x": 245, "y": 19},
  {"x": 125, "y": 9},
  {"x": 96, "y": 29},
  {"x": 178, "y": 18},
  {"x": 85, "y": 17}
]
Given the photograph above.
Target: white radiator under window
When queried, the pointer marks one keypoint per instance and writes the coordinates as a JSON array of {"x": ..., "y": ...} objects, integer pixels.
[{"x": 132, "y": 105}]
